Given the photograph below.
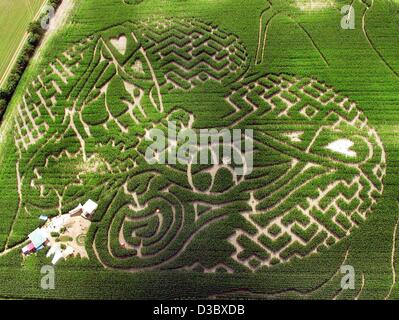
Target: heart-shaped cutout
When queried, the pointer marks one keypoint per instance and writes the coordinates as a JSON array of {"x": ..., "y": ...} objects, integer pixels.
[
  {"x": 120, "y": 44},
  {"x": 342, "y": 146}
]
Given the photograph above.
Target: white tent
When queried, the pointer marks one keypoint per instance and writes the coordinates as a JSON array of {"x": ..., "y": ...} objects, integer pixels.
[
  {"x": 38, "y": 237},
  {"x": 88, "y": 208},
  {"x": 59, "y": 253},
  {"x": 57, "y": 223}
]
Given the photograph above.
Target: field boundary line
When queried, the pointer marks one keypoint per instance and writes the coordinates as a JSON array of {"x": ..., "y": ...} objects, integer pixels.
[
  {"x": 313, "y": 43},
  {"x": 265, "y": 38},
  {"x": 371, "y": 43},
  {"x": 303, "y": 294},
  {"x": 361, "y": 288},
  {"x": 13, "y": 59},
  {"x": 19, "y": 208},
  {"x": 315, "y": 46},
  {"x": 393, "y": 268}
]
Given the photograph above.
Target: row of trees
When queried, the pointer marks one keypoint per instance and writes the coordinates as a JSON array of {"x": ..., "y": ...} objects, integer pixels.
[{"x": 36, "y": 33}]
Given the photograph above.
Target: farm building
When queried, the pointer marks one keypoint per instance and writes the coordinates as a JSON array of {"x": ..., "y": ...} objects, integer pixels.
[
  {"x": 38, "y": 239},
  {"x": 43, "y": 236},
  {"x": 86, "y": 211}
]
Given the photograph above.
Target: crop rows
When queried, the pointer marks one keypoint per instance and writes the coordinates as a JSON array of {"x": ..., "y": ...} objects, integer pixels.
[{"x": 80, "y": 133}]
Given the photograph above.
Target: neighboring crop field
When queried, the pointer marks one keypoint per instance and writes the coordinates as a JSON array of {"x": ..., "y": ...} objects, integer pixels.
[
  {"x": 15, "y": 17},
  {"x": 323, "y": 106}
]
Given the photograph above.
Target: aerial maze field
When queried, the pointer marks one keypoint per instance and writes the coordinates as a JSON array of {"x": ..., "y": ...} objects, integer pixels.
[{"x": 323, "y": 105}]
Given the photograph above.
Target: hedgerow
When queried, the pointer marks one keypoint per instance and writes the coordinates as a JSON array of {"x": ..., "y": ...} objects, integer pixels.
[{"x": 35, "y": 36}]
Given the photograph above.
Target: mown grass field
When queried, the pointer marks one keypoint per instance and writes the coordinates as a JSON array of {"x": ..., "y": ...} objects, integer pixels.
[
  {"x": 15, "y": 17},
  {"x": 76, "y": 125}
]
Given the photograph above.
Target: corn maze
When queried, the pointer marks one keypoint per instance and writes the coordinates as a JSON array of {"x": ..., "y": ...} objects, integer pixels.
[{"x": 80, "y": 132}]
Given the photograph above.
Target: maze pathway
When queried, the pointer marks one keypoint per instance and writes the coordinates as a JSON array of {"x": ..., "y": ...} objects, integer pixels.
[{"x": 81, "y": 128}]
